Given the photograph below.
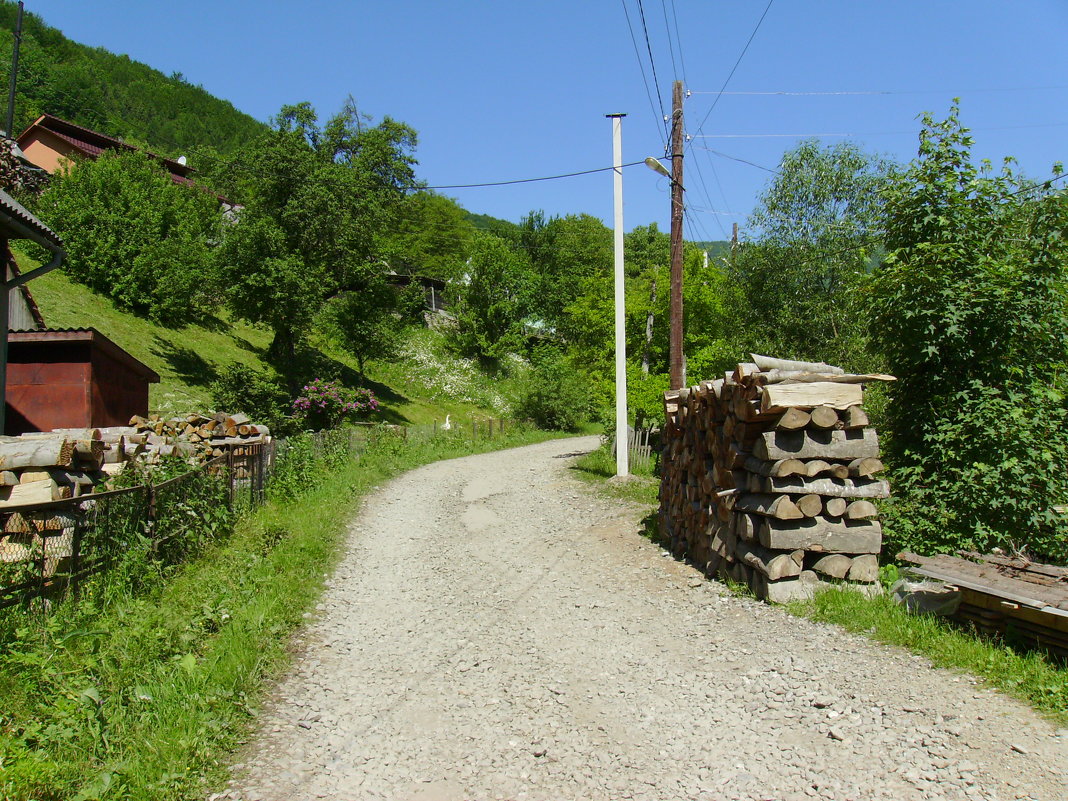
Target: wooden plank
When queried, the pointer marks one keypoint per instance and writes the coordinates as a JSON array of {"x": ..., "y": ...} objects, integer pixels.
[
  {"x": 779, "y": 397},
  {"x": 991, "y": 577}
]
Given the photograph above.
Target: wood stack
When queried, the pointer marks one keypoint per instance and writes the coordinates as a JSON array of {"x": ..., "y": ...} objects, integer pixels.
[
  {"x": 194, "y": 436},
  {"x": 768, "y": 478}
]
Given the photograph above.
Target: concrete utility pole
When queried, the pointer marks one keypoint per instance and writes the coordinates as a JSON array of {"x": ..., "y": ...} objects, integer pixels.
[
  {"x": 677, "y": 366},
  {"x": 622, "y": 440}
]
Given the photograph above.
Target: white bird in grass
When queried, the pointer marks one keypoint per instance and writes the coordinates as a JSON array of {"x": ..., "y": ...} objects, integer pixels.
[{"x": 446, "y": 426}]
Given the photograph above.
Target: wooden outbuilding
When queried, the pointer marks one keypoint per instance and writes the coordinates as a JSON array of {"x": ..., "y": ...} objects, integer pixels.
[{"x": 74, "y": 378}]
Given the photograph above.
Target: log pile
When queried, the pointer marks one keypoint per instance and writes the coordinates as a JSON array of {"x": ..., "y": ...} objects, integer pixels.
[
  {"x": 769, "y": 476},
  {"x": 39, "y": 468}
]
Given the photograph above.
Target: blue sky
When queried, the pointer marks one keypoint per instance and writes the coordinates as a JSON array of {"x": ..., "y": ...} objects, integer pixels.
[{"x": 503, "y": 90}]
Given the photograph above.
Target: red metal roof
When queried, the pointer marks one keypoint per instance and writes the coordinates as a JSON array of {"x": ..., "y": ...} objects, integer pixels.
[
  {"x": 90, "y": 335},
  {"x": 93, "y": 143}
]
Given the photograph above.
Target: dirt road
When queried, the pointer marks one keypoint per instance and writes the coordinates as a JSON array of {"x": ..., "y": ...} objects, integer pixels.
[{"x": 494, "y": 631}]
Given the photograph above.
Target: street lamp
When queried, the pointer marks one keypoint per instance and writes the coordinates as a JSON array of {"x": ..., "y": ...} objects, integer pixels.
[{"x": 656, "y": 166}]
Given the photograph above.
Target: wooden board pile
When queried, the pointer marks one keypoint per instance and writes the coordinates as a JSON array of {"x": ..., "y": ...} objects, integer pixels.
[{"x": 768, "y": 478}]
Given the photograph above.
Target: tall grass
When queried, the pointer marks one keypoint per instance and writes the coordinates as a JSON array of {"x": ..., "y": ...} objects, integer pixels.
[{"x": 141, "y": 696}]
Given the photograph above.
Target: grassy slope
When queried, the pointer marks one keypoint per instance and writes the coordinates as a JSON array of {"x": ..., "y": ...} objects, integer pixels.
[{"x": 189, "y": 359}]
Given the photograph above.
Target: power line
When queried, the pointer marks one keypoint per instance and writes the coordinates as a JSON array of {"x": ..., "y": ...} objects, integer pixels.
[
  {"x": 645, "y": 80},
  {"x": 735, "y": 158},
  {"x": 671, "y": 49},
  {"x": 736, "y": 63},
  {"x": 652, "y": 64},
  {"x": 521, "y": 180},
  {"x": 678, "y": 40},
  {"x": 869, "y": 133},
  {"x": 884, "y": 92}
]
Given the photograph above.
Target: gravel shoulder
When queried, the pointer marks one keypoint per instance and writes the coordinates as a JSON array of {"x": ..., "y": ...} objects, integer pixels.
[{"x": 496, "y": 631}]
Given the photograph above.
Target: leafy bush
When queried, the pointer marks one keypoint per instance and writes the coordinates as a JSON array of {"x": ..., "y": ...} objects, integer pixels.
[
  {"x": 970, "y": 315},
  {"x": 135, "y": 236},
  {"x": 554, "y": 395},
  {"x": 257, "y": 393},
  {"x": 328, "y": 404}
]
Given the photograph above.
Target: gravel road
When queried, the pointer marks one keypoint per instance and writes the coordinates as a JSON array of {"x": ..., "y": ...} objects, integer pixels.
[{"x": 496, "y": 631}]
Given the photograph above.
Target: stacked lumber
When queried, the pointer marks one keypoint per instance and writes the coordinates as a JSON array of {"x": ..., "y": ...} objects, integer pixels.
[
  {"x": 1000, "y": 594},
  {"x": 44, "y": 467},
  {"x": 769, "y": 477},
  {"x": 195, "y": 436}
]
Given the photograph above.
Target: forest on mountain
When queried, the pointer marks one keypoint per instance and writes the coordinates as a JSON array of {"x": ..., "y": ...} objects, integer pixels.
[{"x": 113, "y": 94}]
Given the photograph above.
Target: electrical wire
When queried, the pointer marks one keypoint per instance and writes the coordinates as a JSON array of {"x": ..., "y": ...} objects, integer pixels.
[
  {"x": 735, "y": 67},
  {"x": 671, "y": 49},
  {"x": 678, "y": 40},
  {"x": 735, "y": 158},
  {"x": 652, "y": 63},
  {"x": 869, "y": 133},
  {"x": 645, "y": 79},
  {"x": 521, "y": 180},
  {"x": 886, "y": 92}
]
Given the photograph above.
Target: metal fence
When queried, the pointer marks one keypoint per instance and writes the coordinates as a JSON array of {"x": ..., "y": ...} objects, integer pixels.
[{"x": 47, "y": 550}]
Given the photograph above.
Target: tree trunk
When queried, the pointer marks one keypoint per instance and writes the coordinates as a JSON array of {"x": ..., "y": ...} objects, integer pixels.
[{"x": 649, "y": 331}]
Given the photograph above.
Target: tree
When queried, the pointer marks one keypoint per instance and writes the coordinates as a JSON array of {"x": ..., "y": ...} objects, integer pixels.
[
  {"x": 134, "y": 235},
  {"x": 364, "y": 322},
  {"x": 430, "y": 237},
  {"x": 316, "y": 200},
  {"x": 970, "y": 314},
  {"x": 816, "y": 234},
  {"x": 493, "y": 301}
]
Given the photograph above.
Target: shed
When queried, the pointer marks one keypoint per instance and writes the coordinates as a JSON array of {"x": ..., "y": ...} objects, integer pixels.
[{"x": 72, "y": 378}]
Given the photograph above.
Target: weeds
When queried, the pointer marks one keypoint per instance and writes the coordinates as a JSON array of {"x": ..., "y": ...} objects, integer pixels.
[{"x": 139, "y": 695}]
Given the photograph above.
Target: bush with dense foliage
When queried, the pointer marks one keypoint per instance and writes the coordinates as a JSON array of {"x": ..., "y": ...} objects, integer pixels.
[
  {"x": 135, "y": 236},
  {"x": 970, "y": 314}
]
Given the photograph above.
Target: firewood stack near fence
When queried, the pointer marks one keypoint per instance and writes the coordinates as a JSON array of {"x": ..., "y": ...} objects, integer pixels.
[
  {"x": 769, "y": 476},
  {"x": 38, "y": 469}
]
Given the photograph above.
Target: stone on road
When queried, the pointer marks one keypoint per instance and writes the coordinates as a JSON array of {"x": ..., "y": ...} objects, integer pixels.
[{"x": 496, "y": 631}]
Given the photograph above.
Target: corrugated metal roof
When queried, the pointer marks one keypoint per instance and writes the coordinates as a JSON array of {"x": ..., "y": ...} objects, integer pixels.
[{"x": 14, "y": 209}]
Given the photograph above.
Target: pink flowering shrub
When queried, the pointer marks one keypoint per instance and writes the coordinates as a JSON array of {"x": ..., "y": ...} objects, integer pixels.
[{"x": 328, "y": 404}]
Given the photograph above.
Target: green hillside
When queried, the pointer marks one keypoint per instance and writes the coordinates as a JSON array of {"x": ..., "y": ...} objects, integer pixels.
[
  {"x": 112, "y": 93},
  {"x": 422, "y": 386}
]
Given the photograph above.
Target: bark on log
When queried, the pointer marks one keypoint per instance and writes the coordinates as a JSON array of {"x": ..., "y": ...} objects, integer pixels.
[
  {"x": 777, "y": 506},
  {"x": 774, "y": 565},
  {"x": 45, "y": 451},
  {"x": 835, "y": 565},
  {"x": 853, "y": 444},
  {"x": 837, "y": 488},
  {"x": 818, "y": 534},
  {"x": 769, "y": 363}
]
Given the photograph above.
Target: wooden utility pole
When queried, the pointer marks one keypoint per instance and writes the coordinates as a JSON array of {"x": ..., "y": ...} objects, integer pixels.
[{"x": 677, "y": 366}]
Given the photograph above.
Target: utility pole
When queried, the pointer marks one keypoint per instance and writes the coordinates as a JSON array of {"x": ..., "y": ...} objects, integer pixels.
[
  {"x": 622, "y": 440},
  {"x": 677, "y": 366},
  {"x": 14, "y": 75}
]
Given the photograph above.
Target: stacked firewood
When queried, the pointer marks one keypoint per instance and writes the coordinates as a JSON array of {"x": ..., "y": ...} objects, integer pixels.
[
  {"x": 194, "y": 436},
  {"x": 768, "y": 478}
]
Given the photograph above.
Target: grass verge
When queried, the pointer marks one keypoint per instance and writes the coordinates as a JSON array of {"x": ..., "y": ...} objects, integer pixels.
[
  {"x": 597, "y": 466},
  {"x": 1030, "y": 677},
  {"x": 143, "y": 697}
]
